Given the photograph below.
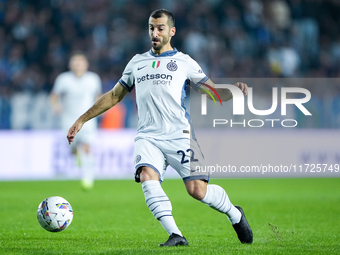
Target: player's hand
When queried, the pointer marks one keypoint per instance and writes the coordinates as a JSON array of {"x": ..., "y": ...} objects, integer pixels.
[
  {"x": 242, "y": 86},
  {"x": 73, "y": 131}
]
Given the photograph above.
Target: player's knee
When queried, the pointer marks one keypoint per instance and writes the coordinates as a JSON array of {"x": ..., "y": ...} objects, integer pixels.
[
  {"x": 197, "y": 189},
  {"x": 148, "y": 174},
  {"x": 197, "y": 192}
]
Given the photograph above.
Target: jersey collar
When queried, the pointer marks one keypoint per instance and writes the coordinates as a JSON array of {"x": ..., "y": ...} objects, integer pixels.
[{"x": 164, "y": 54}]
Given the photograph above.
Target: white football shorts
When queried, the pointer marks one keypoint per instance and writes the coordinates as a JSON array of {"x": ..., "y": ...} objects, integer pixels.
[{"x": 183, "y": 155}]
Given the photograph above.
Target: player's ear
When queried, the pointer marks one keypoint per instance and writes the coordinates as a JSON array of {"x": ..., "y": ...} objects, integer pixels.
[{"x": 172, "y": 31}]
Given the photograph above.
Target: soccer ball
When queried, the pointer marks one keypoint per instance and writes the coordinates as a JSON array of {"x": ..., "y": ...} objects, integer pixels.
[{"x": 55, "y": 214}]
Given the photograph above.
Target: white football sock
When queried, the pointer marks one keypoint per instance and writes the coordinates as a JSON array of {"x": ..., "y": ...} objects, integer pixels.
[
  {"x": 160, "y": 206},
  {"x": 87, "y": 168},
  {"x": 217, "y": 198}
]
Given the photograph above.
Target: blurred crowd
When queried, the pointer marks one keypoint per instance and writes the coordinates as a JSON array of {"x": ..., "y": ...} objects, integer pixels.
[{"x": 234, "y": 38}]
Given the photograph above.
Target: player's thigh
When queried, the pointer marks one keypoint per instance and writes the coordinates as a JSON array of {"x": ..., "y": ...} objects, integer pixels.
[
  {"x": 147, "y": 154},
  {"x": 185, "y": 157}
]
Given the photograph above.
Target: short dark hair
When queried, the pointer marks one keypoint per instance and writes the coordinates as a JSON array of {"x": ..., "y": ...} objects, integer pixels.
[{"x": 159, "y": 13}]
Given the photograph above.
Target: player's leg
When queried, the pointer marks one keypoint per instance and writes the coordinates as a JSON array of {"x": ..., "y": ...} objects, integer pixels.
[
  {"x": 216, "y": 197},
  {"x": 186, "y": 159},
  {"x": 85, "y": 157},
  {"x": 150, "y": 167},
  {"x": 85, "y": 161},
  {"x": 157, "y": 201},
  {"x": 87, "y": 165}
]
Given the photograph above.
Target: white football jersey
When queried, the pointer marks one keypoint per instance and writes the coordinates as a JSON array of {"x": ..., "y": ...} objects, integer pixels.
[
  {"x": 77, "y": 95},
  {"x": 160, "y": 82}
]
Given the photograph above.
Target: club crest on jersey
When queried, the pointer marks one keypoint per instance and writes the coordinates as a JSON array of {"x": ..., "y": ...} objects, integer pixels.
[
  {"x": 156, "y": 64},
  {"x": 172, "y": 66}
]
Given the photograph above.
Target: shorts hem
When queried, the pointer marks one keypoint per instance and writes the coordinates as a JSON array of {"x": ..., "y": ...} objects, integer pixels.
[
  {"x": 197, "y": 177},
  {"x": 151, "y": 166}
]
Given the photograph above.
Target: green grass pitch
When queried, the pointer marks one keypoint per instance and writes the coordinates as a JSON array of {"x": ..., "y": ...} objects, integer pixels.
[{"x": 288, "y": 216}]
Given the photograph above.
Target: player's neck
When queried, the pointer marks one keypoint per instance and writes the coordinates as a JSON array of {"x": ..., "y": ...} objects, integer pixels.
[
  {"x": 78, "y": 74},
  {"x": 163, "y": 49}
]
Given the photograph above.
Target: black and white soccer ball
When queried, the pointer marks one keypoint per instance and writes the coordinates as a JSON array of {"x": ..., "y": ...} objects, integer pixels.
[{"x": 55, "y": 214}]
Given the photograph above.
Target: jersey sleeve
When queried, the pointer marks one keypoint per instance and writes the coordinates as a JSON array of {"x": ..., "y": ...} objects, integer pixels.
[
  {"x": 128, "y": 80},
  {"x": 195, "y": 74}
]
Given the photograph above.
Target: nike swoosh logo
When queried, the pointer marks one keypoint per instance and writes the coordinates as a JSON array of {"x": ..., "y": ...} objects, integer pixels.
[{"x": 141, "y": 67}]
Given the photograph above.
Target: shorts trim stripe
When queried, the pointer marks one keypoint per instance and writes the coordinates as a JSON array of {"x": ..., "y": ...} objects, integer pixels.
[
  {"x": 151, "y": 166},
  {"x": 196, "y": 177}
]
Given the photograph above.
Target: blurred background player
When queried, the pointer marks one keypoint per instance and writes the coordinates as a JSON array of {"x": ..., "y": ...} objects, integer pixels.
[{"x": 73, "y": 93}]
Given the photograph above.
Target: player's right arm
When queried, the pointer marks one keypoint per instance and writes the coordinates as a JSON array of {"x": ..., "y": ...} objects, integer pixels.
[{"x": 104, "y": 103}]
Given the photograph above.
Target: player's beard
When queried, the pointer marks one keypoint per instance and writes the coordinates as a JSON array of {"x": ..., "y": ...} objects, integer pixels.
[{"x": 161, "y": 44}]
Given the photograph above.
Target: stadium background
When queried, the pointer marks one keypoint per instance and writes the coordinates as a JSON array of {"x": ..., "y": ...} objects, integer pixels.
[{"x": 253, "y": 39}]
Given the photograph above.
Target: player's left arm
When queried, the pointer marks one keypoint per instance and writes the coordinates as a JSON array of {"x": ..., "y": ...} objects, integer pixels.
[{"x": 224, "y": 93}]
